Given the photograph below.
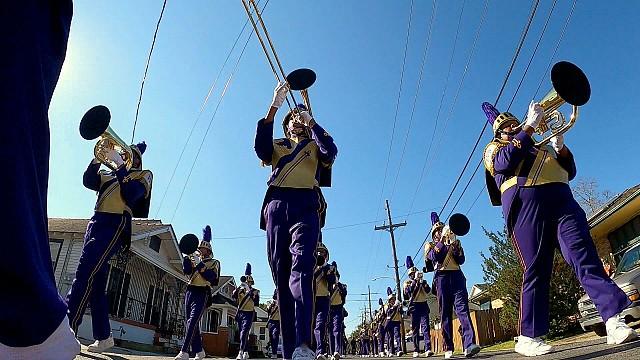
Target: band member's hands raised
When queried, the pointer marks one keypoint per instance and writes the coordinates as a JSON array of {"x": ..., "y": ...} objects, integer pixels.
[
  {"x": 557, "y": 142},
  {"x": 306, "y": 119},
  {"x": 279, "y": 94},
  {"x": 534, "y": 115},
  {"x": 115, "y": 157}
]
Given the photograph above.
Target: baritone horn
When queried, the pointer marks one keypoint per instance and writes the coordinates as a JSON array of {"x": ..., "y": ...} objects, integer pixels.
[
  {"x": 94, "y": 125},
  {"x": 571, "y": 86}
]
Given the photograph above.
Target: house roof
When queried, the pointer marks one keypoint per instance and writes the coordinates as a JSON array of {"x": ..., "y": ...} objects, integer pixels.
[
  {"x": 600, "y": 214},
  {"x": 139, "y": 226},
  {"x": 221, "y": 299}
]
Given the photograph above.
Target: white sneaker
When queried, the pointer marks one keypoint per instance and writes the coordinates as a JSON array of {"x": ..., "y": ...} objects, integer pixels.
[
  {"x": 240, "y": 355},
  {"x": 303, "y": 353},
  {"x": 61, "y": 344},
  {"x": 201, "y": 355},
  {"x": 101, "y": 345},
  {"x": 336, "y": 356},
  {"x": 399, "y": 353},
  {"x": 416, "y": 354},
  {"x": 472, "y": 350},
  {"x": 532, "y": 346},
  {"x": 618, "y": 331},
  {"x": 429, "y": 353},
  {"x": 245, "y": 355},
  {"x": 182, "y": 356},
  {"x": 448, "y": 354},
  {"x": 321, "y": 357}
]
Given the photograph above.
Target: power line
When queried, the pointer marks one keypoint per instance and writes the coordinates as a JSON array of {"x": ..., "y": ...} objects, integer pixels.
[
  {"x": 504, "y": 83},
  {"x": 453, "y": 104},
  {"x": 146, "y": 69},
  {"x": 215, "y": 112},
  {"x": 425, "y": 52},
  {"x": 533, "y": 54},
  {"x": 202, "y": 108},
  {"x": 393, "y": 129},
  {"x": 544, "y": 75}
]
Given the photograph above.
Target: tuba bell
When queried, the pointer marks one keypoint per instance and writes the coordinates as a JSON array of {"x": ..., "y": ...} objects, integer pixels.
[
  {"x": 571, "y": 86},
  {"x": 95, "y": 124}
]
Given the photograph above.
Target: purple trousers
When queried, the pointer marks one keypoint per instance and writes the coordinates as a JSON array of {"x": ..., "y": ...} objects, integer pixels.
[
  {"x": 337, "y": 322},
  {"x": 420, "y": 323},
  {"x": 374, "y": 345},
  {"x": 543, "y": 218},
  {"x": 365, "y": 347},
  {"x": 274, "y": 335},
  {"x": 293, "y": 230},
  {"x": 244, "y": 320},
  {"x": 393, "y": 332},
  {"x": 452, "y": 295},
  {"x": 34, "y": 43},
  {"x": 103, "y": 239},
  {"x": 321, "y": 323},
  {"x": 194, "y": 301},
  {"x": 381, "y": 334}
]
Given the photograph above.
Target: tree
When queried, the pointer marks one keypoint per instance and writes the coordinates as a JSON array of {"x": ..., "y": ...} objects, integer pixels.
[
  {"x": 589, "y": 196},
  {"x": 503, "y": 273}
]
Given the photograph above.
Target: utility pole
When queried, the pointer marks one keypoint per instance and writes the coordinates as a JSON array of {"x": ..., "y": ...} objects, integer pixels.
[
  {"x": 370, "y": 313},
  {"x": 390, "y": 228}
]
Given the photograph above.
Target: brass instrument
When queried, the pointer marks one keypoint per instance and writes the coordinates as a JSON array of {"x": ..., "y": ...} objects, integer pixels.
[
  {"x": 299, "y": 80},
  {"x": 571, "y": 86},
  {"x": 95, "y": 124},
  {"x": 188, "y": 244}
]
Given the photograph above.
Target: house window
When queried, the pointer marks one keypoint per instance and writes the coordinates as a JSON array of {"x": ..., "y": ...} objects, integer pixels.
[
  {"x": 55, "y": 246},
  {"x": 263, "y": 333},
  {"x": 154, "y": 243},
  {"x": 118, "y": 291},
  {"x": 485, "y": 305},
  {"x": 621, "y": 237}
]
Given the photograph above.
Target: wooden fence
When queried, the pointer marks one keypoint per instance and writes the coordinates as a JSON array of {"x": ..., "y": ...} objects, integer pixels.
[{"x": 487, "y": 328}]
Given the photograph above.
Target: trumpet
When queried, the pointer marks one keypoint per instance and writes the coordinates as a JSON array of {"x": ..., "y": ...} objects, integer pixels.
[
  {"x": 94, "y": 125},
  {"x": 571, "y": 86}
]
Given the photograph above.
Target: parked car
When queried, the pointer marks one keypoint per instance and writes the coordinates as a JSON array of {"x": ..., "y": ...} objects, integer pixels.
[{"x": 627, "y": 276}]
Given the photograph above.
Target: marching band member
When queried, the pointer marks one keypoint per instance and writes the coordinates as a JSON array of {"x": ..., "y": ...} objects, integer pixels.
[
  {"x": 293, "y": 213},
  {"x": 325, "y": 278},
  {"x": 450, "y": 286},
  {"x": 33, "y": 324},
  {"x": 247, "y": 298},
  {"x": 354, "y": 346},
  {"x": 393, "y": 319},
  {"x": 122, "y": 193},
  {"x": 274, "y": 324},
  {"x": 415, "y": 291},
  {"x": 381, "y": 320},
  {"x": 532, "y": 185},
  {"x": 336, "y": 312},
  {"x": 203, "y": 271},
  {"x": 365, "y": 340},
  {"x": 374, "y": 338}
]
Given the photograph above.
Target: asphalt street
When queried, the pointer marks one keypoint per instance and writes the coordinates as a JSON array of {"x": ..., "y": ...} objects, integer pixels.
[{"x": 592, "y": 349}]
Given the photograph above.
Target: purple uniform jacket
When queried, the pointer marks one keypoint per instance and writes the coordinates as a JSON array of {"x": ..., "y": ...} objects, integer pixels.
[
  {"x": 507, "y": 160},
  {"x": 413, "y": 288},
  {"x": 342, "y": 289},
  {"x": 188, "y": 269},
  {"x": 131, "y": 191},
  {"x": 439, "y": 252}
]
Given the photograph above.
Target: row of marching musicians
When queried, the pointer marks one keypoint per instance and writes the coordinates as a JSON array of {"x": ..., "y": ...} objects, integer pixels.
[{"x": 444, "y": 255}]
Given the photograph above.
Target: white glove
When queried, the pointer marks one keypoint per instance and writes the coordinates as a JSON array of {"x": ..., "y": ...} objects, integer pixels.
[
  {"x": 279, "y": 94},
  {"x": 305, "y": 118},
  {"x": 557, "y": 142},
  {"x": 534, "y": 115},
  {"x": 196, "y": 259},
  {"x": 115, "y": 157}
]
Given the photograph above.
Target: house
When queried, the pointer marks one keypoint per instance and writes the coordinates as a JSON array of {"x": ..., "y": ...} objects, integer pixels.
[
  {"x": 480, "y": 298},
  {"x": 616, "y": 226},
  {"x": 145, "y": 288}
]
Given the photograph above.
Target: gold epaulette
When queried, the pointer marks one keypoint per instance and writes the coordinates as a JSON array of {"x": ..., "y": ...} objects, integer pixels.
[
  {"x": 490, "y": 152},
  {"x": 145, "y": 176}
]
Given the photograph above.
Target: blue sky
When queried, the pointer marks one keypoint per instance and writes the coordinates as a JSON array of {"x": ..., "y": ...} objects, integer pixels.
[{"x": 356, "y": 48}]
